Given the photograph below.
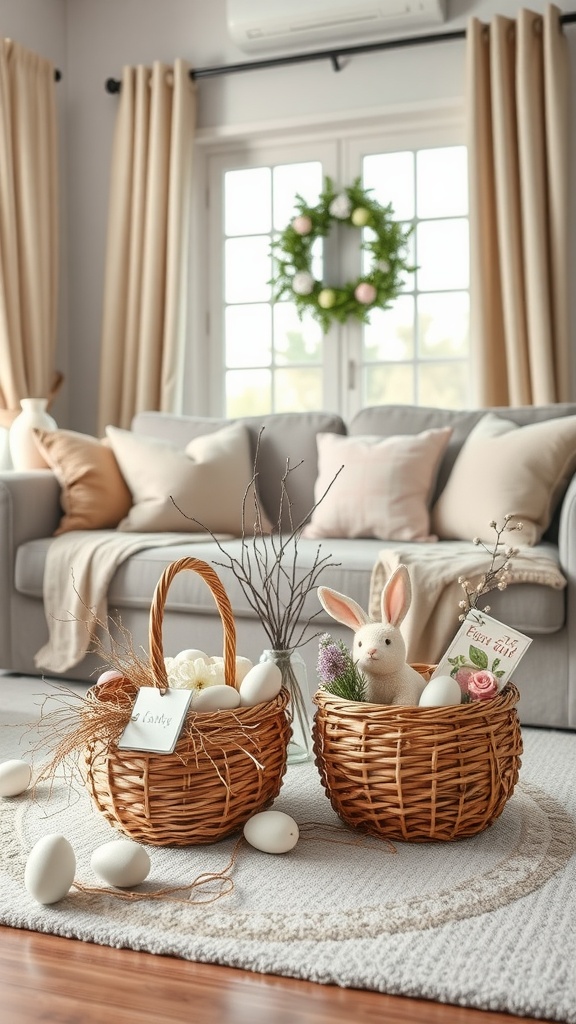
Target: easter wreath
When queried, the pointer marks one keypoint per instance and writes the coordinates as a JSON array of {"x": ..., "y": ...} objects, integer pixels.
[{"x": 374, "y": 289}]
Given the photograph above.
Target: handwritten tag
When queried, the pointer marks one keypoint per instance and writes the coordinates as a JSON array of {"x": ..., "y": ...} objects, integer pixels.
[
  {"x": 484, "y": 643},
  {"x": 156, "y": 720}
]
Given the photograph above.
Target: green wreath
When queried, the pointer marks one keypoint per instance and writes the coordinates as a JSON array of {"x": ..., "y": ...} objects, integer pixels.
[{"x": 376, "y": 289}]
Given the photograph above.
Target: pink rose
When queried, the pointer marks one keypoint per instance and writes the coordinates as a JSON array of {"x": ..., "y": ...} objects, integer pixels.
[
  {"x": 463, "y": 677},
  {"x": 482, "y": 685},
  {"x": 302, "y": 225},
  {"x": 365, "y": 293}
]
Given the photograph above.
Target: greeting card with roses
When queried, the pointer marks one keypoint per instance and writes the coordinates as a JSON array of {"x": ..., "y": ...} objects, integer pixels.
[{"x": 482, "y": 656}]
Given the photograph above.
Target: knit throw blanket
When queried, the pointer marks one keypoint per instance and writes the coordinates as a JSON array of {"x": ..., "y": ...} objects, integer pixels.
[{"x": 432, "y": 620}]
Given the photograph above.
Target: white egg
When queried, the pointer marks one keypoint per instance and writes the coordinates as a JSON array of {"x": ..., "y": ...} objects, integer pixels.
[
  {"x": 108, "y": 676},
  {"x": 121, "y": 863},
  {"x": 191, "y": 654},
  {"x": 272, "y": 832},
  {"x": 263, "y": 682},
  {"x": 442, "y": 691},
  {"x": 50, "y": 869},
  {"x": 216, "y": 698},
  {"x": 14, "y": 777}
]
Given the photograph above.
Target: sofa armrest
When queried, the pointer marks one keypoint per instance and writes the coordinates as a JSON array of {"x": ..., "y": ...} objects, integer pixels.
[{"x": 567, "y": 534}]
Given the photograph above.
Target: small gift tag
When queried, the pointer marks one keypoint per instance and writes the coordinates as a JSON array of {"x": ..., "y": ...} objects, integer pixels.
[
  {"x": 156, "y": 720},
  {"x": 483, "y": 644}
]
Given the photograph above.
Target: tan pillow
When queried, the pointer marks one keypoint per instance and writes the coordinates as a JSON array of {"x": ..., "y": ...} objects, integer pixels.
[
  {"x": 503, "y": 468},
  {"x": 384, "y": 488},
  {"x": 207, "y": 480},
  {"x": 94, "y": 495}
]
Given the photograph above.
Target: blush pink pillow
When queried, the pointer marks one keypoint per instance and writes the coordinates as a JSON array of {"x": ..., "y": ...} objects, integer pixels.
[{"x": 384, "y": 488}]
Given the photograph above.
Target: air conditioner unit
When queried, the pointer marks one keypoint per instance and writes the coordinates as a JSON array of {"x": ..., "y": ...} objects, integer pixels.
[{"x": 300, "y": 24}]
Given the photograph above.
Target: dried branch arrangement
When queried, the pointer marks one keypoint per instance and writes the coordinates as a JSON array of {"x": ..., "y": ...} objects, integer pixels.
[{"x": 498, "y": 573}]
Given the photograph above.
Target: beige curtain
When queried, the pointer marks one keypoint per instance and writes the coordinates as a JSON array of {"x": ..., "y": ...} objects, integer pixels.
[
  {"x": 517, "y": 97},
  {"x": 146, "y": 260},
  {"x": 28, "y": 227}
]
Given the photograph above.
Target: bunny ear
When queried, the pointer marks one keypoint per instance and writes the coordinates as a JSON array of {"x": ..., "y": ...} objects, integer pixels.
[
  {"x": 342, "y": 608},
  {"x": 396, "y": 596}
]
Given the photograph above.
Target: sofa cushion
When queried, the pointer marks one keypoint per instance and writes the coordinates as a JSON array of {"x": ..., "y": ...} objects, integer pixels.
[
  {"x": 286, "y": 438},
  {"x": 94, "y": 495},
  {"x": 205, "y": 486},
  {"x": 503, "y": 469},
  {"x": 370, "y": 486}
]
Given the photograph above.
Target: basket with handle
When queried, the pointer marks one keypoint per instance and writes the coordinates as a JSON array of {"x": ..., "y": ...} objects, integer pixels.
[
  {"x": 226, "y": 766},
  {"x": 418, "y": 773}
]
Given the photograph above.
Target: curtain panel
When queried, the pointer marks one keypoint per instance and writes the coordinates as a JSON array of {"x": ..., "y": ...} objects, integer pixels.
[
  {"x": 143, "y": 319},
  {"x": 518, "y": 143},
  {"x": 28, "y": 227}
]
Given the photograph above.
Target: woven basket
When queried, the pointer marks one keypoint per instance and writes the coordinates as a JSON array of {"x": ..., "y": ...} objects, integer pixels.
[
  {"x": 418, "y": 774},
  {"x": 226, "y": 766}
]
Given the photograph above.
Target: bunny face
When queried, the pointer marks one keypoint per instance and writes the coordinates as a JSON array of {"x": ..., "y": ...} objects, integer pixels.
[{"x": 379, "y": 649}]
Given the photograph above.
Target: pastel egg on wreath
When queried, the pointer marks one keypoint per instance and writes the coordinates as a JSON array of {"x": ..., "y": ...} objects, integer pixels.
[
  {"x": 340, "y": 206},
  {"x": 365, "y": 293},
  {"x": 302, "y": 283},
  {"x": 360, "y": 216},
  {"x": 50, "y": 869},
  {"x": 121, "y": 863},
  {"x": 302, "y": 225},
  {"x": 327, "y": 298},
  {"x": 15, "y": 776}
]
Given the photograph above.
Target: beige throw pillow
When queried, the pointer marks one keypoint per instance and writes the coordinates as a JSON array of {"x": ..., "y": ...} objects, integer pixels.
[
  {"x": 207, "y": 480},
  {"x": 503, "y": 468},
  {"x": 384, "y": 488},
  {"x": 93, "y": 495}
]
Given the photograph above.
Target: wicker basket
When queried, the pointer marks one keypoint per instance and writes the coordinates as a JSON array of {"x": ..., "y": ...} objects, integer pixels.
[
  {"x": 226, "y": 766},
  {"x": 418, "y": 774}
]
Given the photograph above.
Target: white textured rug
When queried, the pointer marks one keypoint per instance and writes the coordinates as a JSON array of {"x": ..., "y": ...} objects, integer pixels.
[{"x": 487, "y": 922}]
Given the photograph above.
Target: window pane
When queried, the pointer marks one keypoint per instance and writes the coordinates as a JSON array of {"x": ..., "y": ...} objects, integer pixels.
[
  {"x": 444, "y": 385},
  {"x": 443, "y": 323},
  {"x": 391, "y": 175},
  {"x": 247, "y": 201},
  {"x": 298, "y": 389},
  {"x": 389, "y": 385},
  {"x": 290, "y": 180},
  {"x": 442, "y": 182},
  {"x": 442, "y": 254},
  {"x": 390, "y": 333},
  {"x": 248, "y": 269},
  {"x": 248, "y": 392},
  {"x": 248, "y": 335},
  {"x": 295, "y": 340}
]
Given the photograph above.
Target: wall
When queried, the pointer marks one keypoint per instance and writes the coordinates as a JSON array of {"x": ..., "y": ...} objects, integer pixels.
[{"x": 100, "y": 36}]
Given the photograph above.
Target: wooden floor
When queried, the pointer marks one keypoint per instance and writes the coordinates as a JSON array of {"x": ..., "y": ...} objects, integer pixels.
[{"x": 48, "y": 979}]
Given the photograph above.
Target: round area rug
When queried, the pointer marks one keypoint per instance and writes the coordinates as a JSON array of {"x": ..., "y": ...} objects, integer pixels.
[{"x": 335, "y": 885}]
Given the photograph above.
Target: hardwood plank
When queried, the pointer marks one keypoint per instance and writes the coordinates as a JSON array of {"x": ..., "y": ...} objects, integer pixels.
[{"x": 45, "y": 979}]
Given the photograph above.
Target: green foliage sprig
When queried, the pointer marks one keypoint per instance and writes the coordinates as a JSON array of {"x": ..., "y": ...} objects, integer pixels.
[
  {"x": 386, "y": 242},
  {"x": 337, "y": 672}
]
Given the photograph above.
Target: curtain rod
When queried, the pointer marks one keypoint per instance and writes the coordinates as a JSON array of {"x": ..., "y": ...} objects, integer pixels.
[{"x": 334, "y": 55}]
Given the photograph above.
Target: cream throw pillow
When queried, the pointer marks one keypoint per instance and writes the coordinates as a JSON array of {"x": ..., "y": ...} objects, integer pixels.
[
  {"x": 93, "y": 493},
  {"x": 207, "y": 480},
  {"x": 384, "y": 488},
  {"x": 503, "y": 468}
]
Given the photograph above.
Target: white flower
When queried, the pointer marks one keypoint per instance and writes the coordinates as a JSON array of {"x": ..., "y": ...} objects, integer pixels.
[
  {"x": 302, "y": 283},
  {"x": 340, "y": 207},
  {"x": 193, "y": 674}
]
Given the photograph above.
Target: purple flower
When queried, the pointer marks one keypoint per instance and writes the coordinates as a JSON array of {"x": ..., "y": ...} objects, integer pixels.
[{"x": 332, "y": 661}]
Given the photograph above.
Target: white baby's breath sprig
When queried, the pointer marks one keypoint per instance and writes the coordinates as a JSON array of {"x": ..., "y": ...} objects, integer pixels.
[{"x": 497, "y": 576}]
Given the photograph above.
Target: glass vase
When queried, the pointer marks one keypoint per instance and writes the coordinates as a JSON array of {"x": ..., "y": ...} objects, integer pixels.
[{"x": 295, "y": 679}]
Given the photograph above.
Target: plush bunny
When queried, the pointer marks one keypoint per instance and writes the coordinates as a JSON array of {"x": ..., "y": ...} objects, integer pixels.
[{"x": 379, "y": 649}]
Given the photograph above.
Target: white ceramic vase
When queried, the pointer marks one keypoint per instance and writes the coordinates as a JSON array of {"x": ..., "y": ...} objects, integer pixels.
[{"x": 23, "y": 449}]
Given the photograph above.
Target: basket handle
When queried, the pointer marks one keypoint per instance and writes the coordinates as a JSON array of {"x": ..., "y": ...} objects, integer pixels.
[{"x": 157, "y": 617}]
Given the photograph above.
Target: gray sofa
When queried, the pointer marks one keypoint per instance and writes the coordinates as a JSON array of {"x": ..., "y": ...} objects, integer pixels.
[{"x": 30, "y": 512}]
